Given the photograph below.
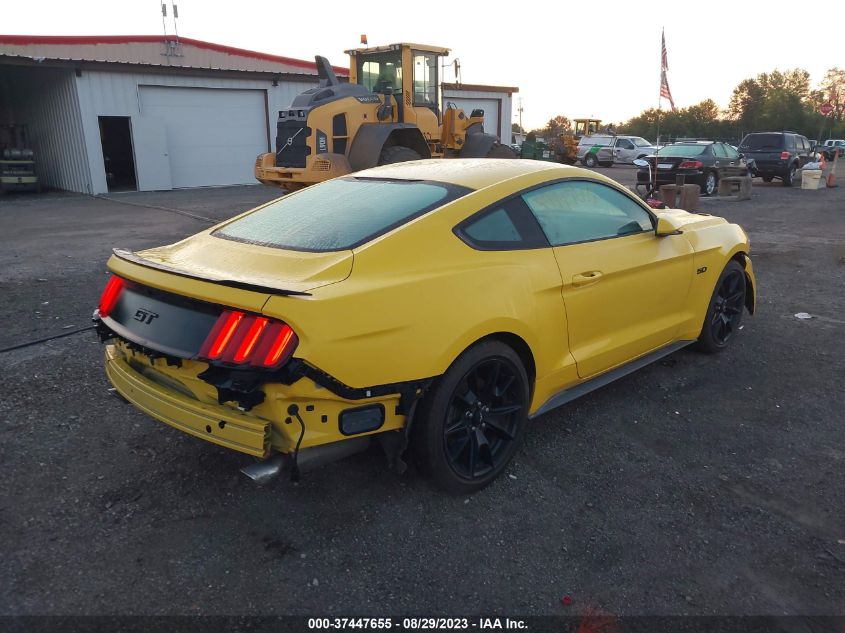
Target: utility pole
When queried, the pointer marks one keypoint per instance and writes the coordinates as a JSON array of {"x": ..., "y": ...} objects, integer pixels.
[{"x": 519, "y": 109}]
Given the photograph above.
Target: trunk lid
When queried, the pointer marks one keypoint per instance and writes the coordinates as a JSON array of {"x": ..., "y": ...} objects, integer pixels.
[
  {"x": 172, "y": 296},
  {"x": 250, "y": 266}
]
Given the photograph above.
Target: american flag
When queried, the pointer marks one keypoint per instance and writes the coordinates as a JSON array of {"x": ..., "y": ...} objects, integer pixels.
[{"x": 664, "y": 66}]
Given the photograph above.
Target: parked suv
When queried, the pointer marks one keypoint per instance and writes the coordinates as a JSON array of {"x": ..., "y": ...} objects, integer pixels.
[
  {"x": 606, "y": 149},
  {"x": 777, "y": 154}
]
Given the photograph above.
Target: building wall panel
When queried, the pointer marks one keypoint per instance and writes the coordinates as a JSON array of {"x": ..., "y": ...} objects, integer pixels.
[
  {"x": 112, "y": 93},
  {"x": 503, "y": 111}
]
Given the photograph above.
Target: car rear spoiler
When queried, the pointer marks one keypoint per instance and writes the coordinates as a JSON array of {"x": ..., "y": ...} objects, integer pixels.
[{"x": 134, "y": 258}]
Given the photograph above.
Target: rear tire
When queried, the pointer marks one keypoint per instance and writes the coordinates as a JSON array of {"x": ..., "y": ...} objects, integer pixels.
[
  {"x": 710, "y": 183},
  {"x": 471, "y": 422},
  {"x": 397, "y": 154},
  {"x": 589, "y": 160},
  {"x": 724, "y": 312},
  {"x": 789, "y": 177},
  {"x": 500, "y": 151},
  {"x": 767, "y": 178}
]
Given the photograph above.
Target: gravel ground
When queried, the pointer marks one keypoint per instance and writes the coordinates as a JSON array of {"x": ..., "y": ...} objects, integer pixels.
[{"x": 699, "y": 485}]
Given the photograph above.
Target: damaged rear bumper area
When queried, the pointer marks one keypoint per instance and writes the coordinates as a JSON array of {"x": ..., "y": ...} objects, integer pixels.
[
  {"x": 221, "y": 425},
  {"x": 297, "y": 426}
]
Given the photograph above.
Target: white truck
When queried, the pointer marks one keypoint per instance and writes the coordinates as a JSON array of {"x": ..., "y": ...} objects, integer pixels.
[
  {"x": 607, "y": 149},
  {"x": 831, "y": 147}
]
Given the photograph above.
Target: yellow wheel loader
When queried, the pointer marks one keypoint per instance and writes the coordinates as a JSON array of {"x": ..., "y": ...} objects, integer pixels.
[{"x": 389, "y": 112}]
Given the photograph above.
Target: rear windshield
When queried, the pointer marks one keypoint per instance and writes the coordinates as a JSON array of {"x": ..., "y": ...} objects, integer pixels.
[
  {"x": 683, "y": 150},
  {"x": 339, "y": 214},
  {"x": 762, "y": 141}
]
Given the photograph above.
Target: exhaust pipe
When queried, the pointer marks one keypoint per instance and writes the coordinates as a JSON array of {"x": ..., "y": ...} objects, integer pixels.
[{"x": 267, "y": 470}]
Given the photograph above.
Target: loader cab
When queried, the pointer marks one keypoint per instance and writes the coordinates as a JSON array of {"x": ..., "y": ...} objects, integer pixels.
[
  {"x": 586, "y": 127},
  {"x": 410, "y": 71}
]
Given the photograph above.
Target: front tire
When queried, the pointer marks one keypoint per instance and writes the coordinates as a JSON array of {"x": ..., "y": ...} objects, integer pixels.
[
  {"x": 471, "y": 423},
  {"x": 767, "y": 178},
  {"x": 724, "y": 313},
  {"x": 397, "y": 154}
]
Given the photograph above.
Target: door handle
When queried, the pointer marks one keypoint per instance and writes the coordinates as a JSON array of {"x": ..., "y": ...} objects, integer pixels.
[{"x": 585, "y": 279}]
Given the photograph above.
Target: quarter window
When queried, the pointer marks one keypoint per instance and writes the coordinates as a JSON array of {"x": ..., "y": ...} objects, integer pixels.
[
  {"x": 582, "y": 211},
  {"x": 505, "y": 226},
  {"x": 719, "y": 150}
]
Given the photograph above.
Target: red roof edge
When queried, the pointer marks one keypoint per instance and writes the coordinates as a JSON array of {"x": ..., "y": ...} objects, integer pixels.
[{"x": 23, "y": 40}]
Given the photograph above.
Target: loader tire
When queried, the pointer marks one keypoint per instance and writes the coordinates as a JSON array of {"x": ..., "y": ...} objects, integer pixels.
[
  {"x": 500, "y": 151},
  {"x": 397, "y": 154}
]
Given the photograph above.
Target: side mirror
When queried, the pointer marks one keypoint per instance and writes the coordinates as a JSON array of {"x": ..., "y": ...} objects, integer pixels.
[
  {"x": 639, "y": 162},
  {"x": 741, "y": 155},
  {"x": 665, "y": 226}
]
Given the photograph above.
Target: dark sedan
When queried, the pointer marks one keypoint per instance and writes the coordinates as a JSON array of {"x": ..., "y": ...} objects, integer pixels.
[{"x": 702, "y": 163}]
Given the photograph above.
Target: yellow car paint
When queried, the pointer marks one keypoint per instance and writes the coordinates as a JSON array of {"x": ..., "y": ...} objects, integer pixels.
[{"x": 405, "y": 305}]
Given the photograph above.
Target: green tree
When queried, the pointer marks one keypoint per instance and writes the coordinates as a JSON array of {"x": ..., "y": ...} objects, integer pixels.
[{"x": 557, "y": 126}]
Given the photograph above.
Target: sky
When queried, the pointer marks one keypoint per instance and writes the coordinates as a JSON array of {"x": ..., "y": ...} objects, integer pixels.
[{"x": 573, "y": 59}]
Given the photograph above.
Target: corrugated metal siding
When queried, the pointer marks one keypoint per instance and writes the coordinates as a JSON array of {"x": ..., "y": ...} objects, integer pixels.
[
  {"x": 117, "y": 94},
  {"x": 45, "y": 99}
]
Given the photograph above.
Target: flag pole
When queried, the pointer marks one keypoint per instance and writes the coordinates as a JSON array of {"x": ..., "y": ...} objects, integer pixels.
[{"x": 659, "y": 96}]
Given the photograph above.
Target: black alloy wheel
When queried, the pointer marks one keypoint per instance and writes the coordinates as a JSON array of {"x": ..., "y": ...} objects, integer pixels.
[
  {"x": 724, "y": 314},
  {"x": 470, "y": 424},
  {"x": 483, "y": 418}
]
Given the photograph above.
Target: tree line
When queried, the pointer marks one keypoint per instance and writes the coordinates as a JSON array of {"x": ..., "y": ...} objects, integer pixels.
[{"x": 769, "y": 102}]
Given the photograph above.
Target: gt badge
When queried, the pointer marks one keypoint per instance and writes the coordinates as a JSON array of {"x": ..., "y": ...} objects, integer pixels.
[{"x": 145, "y": 316}]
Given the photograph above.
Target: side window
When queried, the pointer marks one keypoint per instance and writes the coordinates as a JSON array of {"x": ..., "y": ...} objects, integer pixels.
[
  {"x": 624, "y": 143},
  {"x": 505, "y": 226},
  {"x": 425, "y": 78},
  {"x": 581, "y": 211},
  {"x": 719, "y": 150},
  {"x": 732, "y": 153},
  {"x": 801, "y": 143}
]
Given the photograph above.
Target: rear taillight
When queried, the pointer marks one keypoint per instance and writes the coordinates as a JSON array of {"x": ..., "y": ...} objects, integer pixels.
[
  {"x": 111, "y": 294},
  {"x": 238, "y": 338},
  {"x": 785, "y": 155},
  {"x": 691, "y": 164}
]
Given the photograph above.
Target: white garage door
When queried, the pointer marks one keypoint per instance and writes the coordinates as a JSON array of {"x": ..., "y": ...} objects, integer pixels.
[
  {"x": 490, "y": 107},
  {"x": 212, "y": 135}
]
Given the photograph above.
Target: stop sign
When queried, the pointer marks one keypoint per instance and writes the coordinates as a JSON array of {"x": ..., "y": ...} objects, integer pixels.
[{"x": 826, "y": 108}]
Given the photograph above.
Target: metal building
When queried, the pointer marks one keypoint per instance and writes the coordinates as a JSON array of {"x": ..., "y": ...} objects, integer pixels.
[
  {"x": 109, "y": 113},
  {"x": 496, "y": 101}
]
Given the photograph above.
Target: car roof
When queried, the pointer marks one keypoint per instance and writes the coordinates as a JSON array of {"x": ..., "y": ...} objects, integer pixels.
[{"x": 474, "y": 173}]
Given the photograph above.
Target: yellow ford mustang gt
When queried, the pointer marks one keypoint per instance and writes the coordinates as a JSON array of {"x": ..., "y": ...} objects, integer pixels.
[{"x": 433, "y": 305}]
